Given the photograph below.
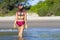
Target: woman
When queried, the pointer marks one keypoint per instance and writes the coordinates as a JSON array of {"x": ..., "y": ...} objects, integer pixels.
[
  {"x": 21, "y": 20},
  {"x": 21, "y": 38}
]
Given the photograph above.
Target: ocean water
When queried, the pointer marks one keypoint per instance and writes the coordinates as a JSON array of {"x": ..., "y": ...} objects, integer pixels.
[{"x": 31, "y": 34}]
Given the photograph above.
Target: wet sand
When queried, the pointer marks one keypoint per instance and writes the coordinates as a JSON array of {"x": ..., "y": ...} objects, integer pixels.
[{"x": 34, "y": 24}]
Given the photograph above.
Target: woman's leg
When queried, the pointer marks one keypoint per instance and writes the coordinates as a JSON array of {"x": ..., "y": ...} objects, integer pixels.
[
  {"x": 20, "y": 38},
  {"x": 20, "y": 30}
]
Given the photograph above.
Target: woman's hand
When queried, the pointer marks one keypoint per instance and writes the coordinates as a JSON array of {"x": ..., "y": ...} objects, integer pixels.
[
  {"x": 26, "y": 26},
  {"x": 14, "y": 25}
]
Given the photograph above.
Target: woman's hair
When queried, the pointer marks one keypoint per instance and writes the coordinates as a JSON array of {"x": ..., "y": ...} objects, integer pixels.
[
  {"x": 20, "y": 5},
  {"x": 23, "y": 9},
  {"x": 20, "y": 9}
]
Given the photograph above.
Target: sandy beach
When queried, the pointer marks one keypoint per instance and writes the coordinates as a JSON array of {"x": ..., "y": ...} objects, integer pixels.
[
  {"x": 32, "y": 18},
  {"x": 33, "y": 21}
]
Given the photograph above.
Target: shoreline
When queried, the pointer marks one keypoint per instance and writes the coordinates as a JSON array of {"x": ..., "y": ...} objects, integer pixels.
[
  {"x": 34, "y": 23},
  {"x": 29, "y": 18}
]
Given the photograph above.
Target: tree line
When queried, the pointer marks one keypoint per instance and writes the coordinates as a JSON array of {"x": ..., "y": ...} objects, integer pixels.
[
  {"x": 9, "y": 7},
  {"x": 47, "y": 7}
]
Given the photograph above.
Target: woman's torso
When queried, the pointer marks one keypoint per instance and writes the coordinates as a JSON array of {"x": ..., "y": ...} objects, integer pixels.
[{"x": 20, "y": 16}]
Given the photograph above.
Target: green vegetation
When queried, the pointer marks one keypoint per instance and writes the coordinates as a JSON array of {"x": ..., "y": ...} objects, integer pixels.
[
  {"x": 9, "y": 7},
  {"x": 8, "y": 33},
  {"x": 43, "y": 8}
]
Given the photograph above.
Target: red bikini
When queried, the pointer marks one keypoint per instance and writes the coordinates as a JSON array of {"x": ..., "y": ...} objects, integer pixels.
[{"x": 20, "y": 23}]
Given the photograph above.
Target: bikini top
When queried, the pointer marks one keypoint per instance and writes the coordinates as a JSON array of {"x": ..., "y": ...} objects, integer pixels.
[{"x": 20, "y": 14}]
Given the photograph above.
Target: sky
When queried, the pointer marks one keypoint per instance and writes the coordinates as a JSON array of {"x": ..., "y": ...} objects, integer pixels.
[{"x": 35, "y": 2}]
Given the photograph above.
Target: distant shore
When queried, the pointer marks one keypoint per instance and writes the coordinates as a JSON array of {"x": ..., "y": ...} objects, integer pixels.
[{"x": 32, "y": 18}]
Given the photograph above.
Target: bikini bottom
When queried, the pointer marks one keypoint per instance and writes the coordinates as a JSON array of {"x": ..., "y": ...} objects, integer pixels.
[{"x": 20, "y": 23}]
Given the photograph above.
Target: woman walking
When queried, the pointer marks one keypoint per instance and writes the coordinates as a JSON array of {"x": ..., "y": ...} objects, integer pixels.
[{"x": 20, "y": 20}]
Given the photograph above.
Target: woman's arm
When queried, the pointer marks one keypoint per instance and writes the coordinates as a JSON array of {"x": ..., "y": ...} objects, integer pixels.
[
  {"x": 15, "y": 20},
  {"x": 25, "y": 19}
]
